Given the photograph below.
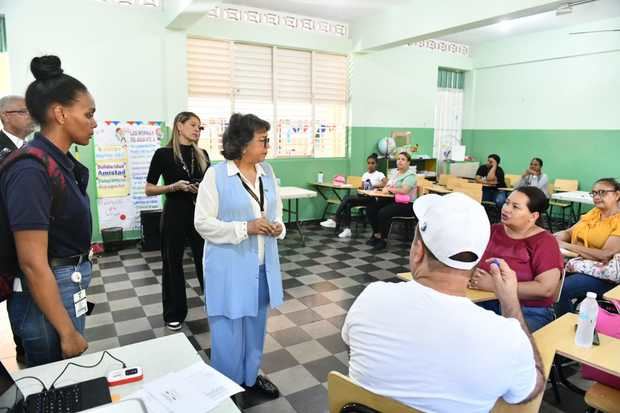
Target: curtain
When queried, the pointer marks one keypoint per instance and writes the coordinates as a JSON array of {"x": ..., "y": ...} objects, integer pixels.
[{"x": 448, "y": 122}]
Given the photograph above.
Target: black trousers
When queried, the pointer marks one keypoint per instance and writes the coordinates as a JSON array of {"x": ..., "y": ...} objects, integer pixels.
[
  {"x": 343, "y": 213},
  {"x": 381, "y": 212},
  {"x": 177, "y": 228}
]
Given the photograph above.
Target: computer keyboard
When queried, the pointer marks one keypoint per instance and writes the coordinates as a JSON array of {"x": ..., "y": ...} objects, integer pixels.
[{"x": 63, "y": 400}]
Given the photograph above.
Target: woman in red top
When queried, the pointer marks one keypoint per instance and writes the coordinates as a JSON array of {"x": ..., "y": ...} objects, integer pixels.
[{"x": 531, "y": 251}]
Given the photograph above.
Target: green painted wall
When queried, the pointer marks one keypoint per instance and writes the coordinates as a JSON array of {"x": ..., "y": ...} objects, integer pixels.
[{"x": 585, "y": 155}]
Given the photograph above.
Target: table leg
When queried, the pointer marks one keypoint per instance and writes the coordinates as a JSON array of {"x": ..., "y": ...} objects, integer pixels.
[{"x": 298, "y": 222}]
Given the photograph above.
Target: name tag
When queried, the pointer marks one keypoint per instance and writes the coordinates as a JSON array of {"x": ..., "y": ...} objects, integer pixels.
[{"x": 79, "y": 301}]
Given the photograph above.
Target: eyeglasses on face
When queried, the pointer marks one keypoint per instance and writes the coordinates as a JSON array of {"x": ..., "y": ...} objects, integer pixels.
[
  {"x": 601, "y": 192},
  {"x": 264, "y": 142},
  {"x": 22, "y": 112}
]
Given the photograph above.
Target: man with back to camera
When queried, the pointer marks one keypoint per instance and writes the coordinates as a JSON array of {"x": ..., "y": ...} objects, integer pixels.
[
  {"x": 423, "y": 342},
  {"x": 491, "y": 176},
  {"x": 16, "y": 126}
]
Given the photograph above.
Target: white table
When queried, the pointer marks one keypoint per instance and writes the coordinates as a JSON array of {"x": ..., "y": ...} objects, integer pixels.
[
  {"x": 157, "y": 357},
  {"x": 578, "y": 197},
  {"x": 290, "y": 193}
]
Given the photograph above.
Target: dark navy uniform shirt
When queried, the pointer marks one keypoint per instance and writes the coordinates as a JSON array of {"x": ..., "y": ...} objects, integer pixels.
[{"x": 26, "y": 192}]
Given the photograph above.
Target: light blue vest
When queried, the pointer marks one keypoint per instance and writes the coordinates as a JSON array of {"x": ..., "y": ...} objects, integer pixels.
[{"x": 231, "y": 271}]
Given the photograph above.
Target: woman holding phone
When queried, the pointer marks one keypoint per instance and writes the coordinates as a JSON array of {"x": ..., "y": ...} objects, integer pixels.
[{"x": 182, "y": 164}]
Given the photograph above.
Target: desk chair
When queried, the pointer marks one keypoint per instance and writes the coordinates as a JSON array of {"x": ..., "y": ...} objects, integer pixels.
[
  {"x": 345, "y": 396},
  {"x": 601, "y": 398},
  {"x": 423, "y": 185},
  {"x": 511, "y": 180},
  {"x": 473, "y": 190},
  {"x": 357, "y": 212},
  {"x": 563, "y": 185},
  {"x": 335, "y": 202}
]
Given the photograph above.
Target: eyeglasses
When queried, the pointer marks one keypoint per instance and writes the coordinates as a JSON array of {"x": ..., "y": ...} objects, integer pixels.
[
  {"x": 265, "y": 142},
  {"x": 601, "y": 192},
  {"x": 19, "y": 112}
]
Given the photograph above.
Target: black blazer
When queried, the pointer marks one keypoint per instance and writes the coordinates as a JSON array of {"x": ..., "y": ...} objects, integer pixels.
[{"x": 6, "y": 142}]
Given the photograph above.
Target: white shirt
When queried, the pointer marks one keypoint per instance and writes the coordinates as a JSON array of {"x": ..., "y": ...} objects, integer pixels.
[
  {"x": 375, "y": 178},
  {"x": 16, "y": 141},
  {"x": 220, "y": 232},
  {"x": 436, "y": 352},
  {"x": 539, "y": 181}
]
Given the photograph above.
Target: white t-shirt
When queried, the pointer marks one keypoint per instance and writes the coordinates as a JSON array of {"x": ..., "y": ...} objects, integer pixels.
[
  {"x": 436, "y": 352},
  {"x": 374, "y": 178}
]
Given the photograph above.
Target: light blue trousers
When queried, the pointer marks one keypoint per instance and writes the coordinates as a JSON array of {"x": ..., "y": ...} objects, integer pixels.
[{"x": 237, "y": 344}]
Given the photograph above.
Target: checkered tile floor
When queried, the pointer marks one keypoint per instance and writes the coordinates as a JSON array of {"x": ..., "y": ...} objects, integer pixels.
[{"x": 303, "y": 344}]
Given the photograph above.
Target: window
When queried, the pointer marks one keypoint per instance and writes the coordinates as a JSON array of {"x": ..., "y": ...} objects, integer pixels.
[
  {"x": 302, "y": 94},
  {"x": 448, "y": 113}
]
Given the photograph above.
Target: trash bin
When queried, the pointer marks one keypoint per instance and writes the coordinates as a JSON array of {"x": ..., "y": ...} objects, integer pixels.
[{"x": 112, "y": 238}]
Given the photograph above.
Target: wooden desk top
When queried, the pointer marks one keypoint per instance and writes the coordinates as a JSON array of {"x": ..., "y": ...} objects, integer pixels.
[
  {"x": 475, "y": 295},
  {"x": 613, "y": 294},
  {"x": 561, "y": 334},
  {"x": 438, "y": 189},
  {"x": 374, "y": 192},
  {"x": 330, "y": 185}
]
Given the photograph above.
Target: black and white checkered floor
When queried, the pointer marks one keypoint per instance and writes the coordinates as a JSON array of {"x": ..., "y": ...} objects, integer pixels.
[{"x": 303, "y": 344}]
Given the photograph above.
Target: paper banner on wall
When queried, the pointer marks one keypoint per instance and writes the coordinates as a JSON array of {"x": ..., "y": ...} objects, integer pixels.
[
  {"x": 117, "y": 212},
  {"x": 123, "y": 153}
]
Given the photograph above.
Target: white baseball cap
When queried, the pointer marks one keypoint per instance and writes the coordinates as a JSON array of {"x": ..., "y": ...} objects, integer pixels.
[{"x": 452, "y": 224}]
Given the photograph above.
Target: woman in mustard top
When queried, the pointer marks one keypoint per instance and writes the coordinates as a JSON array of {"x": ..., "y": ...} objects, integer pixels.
[{"x": 595, "y": 237}]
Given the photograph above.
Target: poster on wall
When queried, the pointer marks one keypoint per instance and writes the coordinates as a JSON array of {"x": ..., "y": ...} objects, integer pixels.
[{"x": 123, "y": 152}]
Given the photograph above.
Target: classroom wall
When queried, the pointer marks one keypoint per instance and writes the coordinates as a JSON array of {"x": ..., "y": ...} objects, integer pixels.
[
  {"x": 395, "y": 89},
  {"x": 549, "y": 95}
]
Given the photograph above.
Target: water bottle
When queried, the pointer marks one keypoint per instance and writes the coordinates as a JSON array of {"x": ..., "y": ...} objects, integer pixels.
[
  {"x": 319, "y": 178},
  {"x": 588, "y": 312}
]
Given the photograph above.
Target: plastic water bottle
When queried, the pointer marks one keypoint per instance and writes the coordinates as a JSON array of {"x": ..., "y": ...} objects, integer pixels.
[
  {"x": 319, "y": 178},
  {"x": 588, "y": 312}
]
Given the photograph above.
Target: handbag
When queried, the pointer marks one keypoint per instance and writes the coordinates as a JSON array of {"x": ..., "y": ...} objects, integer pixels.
[
  {"x": 402, "y": 198},
  {"x": 609, "y": 271},
  {"x": 607, "y": 323}
]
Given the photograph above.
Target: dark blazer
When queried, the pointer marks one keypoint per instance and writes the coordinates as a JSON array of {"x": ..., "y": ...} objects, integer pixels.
[{"x": 6, "y": 142}]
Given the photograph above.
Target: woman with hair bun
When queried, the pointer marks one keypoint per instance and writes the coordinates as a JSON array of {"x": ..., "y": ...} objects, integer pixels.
[
  {"x": 182, "y": 164},
  {"x": 372, "y": 179},
  {"x": 239, "y": 214},
  {"x": 50, "y": 221}
]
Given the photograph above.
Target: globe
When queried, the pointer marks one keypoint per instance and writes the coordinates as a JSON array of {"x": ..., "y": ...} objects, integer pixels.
[{"x": 386, "y": 146}]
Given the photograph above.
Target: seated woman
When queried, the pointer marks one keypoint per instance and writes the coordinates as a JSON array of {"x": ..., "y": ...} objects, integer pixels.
[
  {"x": 372, "y": 179},
  {"x": 595, "y": 237},
  {"x": 530, "y": 251},
  {"x": 381, "y": 212},
  {"x": 534, "y": 176}
]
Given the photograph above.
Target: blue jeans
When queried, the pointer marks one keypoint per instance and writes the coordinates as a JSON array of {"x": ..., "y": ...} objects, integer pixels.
[
  {"x": 40, "y": 339},
  {"x": 535, "y": 317},
  {"x": 494, "y": 195},
  {"x": 576, "y": 285}
]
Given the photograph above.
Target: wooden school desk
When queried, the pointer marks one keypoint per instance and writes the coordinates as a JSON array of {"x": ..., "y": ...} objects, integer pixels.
[{"x": 476, "y": 296}]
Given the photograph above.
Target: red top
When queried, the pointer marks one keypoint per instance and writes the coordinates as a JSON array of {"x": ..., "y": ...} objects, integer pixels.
[{"x": 528, "y": 257}]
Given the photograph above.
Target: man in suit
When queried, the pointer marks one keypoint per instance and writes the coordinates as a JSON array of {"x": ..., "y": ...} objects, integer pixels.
[
  {"x": 16, "y": 125},
  {"x": 16, "y": 122}
]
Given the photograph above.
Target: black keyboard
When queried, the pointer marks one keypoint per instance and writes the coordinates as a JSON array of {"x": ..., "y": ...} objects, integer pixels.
[
  {"x": 71, "y": 398},
  {"x": 63, "y": 400}
]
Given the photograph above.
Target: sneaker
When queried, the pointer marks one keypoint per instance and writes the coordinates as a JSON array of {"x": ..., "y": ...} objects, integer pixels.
[
  {"x": 381, "y": 244},
  {"x": 173, "y": 326},
  {"x": 372, "y": 241},
  {"x": 346, "y": 233},
  {"x": 330, "y": 223}
]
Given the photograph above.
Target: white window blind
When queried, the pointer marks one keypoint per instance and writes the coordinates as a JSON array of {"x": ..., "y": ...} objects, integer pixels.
[{"x": 302, "y": 94}]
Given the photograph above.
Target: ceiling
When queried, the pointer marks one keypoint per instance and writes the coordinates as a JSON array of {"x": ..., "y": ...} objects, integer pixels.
[
  {"x": 338, "y": 10},
  {"x": 597, "y": 10}
]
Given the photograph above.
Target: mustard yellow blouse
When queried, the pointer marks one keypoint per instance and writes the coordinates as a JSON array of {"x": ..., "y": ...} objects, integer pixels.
[{"x": 593, "y": 231}]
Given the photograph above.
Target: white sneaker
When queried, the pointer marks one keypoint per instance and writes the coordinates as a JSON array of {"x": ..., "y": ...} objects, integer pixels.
[
  {"x": 173, "y": 325},
  {"x": 330, "y": 223},
  {"x": 346, "y": 233}
]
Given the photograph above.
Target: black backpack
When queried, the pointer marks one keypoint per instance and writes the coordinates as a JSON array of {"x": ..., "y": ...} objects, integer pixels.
[{"x": 9, "y": 265}]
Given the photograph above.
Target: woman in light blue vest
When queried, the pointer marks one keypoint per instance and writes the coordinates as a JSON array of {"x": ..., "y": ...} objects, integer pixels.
[{"x": 239, "y": 214}]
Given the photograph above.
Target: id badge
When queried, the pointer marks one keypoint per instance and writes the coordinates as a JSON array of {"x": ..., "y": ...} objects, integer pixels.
[{"x": 79, "y": 301}]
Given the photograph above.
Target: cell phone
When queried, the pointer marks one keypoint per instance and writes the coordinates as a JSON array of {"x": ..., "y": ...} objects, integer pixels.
[{"x": 595, "y": 341}]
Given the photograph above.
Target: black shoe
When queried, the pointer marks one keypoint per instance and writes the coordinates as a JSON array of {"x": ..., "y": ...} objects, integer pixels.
[
  {"x": 373, "y": 241},
  {"x": 379, "y": 245},
  {"x": 264, "y": 387}
]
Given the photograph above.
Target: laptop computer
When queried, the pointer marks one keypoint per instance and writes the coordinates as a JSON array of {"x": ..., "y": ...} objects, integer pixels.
[{"x": 71, "y": 398}]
